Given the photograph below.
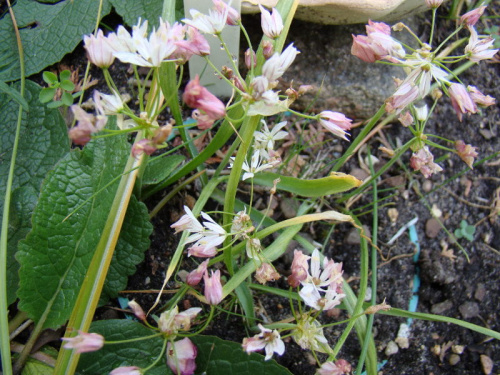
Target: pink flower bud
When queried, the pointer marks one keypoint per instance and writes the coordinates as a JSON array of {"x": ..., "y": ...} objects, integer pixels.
[
  {"x": 433, "y": 3},
  {"x": 272, "y": 24},
  {"x": 143, "y": 146},
  {"x": 267, "y": 49},
  {"x": 126, "y": 370},
  {"x": 233, "y": 16},
  {"x": 336, "y": 123},
  {"x": 181, "y": 357},
  {"x": 84, "y": 342},
  {"x": 213, "y": 288},
  {"x": 210, "y": 108},
  {"x": 461, "y": 100},
  {"x": 137, "y": 310},
  {"x": 299, "y": 268},
  {"x": 471, "y": 18},
  {"x": 99, "y": 49},
  {"x": 479, "y": 98},
  {"x": 250, "y": 58},
  {"x": 340, "y": 367},
  {"x": 194, "y": 277}
]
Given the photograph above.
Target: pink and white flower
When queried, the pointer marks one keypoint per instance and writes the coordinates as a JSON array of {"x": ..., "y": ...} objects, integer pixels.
[
  {"x": 99, "y": 49},
  {"x": 466, "y": 152},
  {"x": 126, "y": 370},
  {"x": 299, "y": 268},
  {"x": 267, "y": 339},
  {"x": 336, "y": 123},
  {"x": 171, "y": 321},
  {"x": 194, "y": 277},
  {"x": 309, "y": 335},
  {"x": 339, "y": 367},
  {"x": 272, "y": 23},
  {"x": 213, "y": 288},
  {"x": 471, "y": 18},
  {"x": 461, "y": 100},
  {"x": 84, "y": 342},
  {"x": 423, "y": 161},
  {"x": 277, "y": 65},
  {"x": 181, "y": 357},
  {"x": 265, "y": 273},
  {"x": 479, "y": 49},
  {"x": 479, "y": 98}
]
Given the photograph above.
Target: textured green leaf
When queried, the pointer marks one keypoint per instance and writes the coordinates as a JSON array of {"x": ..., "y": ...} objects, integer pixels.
[
  {"x": 332, "y": 184},
  {"x": 34, "y": 367},
  {"x": 14, "y": 94},
  {"x": 221, "y": 357},
  {"x": 215, "y": 356},
  {"x": 139, "y": 353},
  {"x": 43, "y": 142},
  {"x": 160, "y": 168},
  {"x": 56, "y": 253},
  {"x": 131, "y": 11},
  {"x": 48, "y": 32}
]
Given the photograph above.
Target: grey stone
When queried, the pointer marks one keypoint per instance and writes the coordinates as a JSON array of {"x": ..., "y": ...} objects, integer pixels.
[
  {"x": 469, "y": 310},
  {"x": 441, "y": 307}
]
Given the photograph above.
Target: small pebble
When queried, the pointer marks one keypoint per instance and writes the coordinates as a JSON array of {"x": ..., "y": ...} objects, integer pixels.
[
  {"x": 454, "y": 359},
  {"x": 441, "y": 307},
  {"x": 427, "y": 186},
  {"x": 432, "y": 228},
  {"x": 469, "y": 310},
  {"x": 480, "y": 292},
  {"x": 436, "y": 350},
  {"x": 487, "y": 364},
  {"x": 393, "y": 215},
  {"x": 391, "y": 348},
  {"x": 457, "y": 349}
]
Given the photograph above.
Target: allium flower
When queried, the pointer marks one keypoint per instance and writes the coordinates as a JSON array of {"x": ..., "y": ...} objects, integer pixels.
[
  {"x": 108, "y": 104},
  {"x": 242, "y": 225},
  {"x": 210, "y": 108},
  {"x": 84, "y": 342},
  {"x": 250, "y": 58},
  {"x": 194, "y": 277},
  {"x": 461, "y": 100},
  {"x": 264, "y": 140},
  {"x": 195, "y": 44},
  {"x": 471, "y": 18},
  {"x": 479, "y": 49},
  {"x": 171, "y": 321},
  {"x": 99, "y": 49},
  {"x": 265, "y": 273},
  {"x": 466, "y": 152},
  {"x": 144, "y": 51},
  {"x": 181, "y": 357},
  {"x": 266, "y": 339},
  {"x": 126, "y": 370},
  {"x": 406, "y": 119},
  {"x": 300, "y": 268},
  {"x": 277, "y": 65},
  {"x": 339, "y": 367},
  {"x": 255, "y": 166},
  {"x": 145, "y": 146},
  {"x": 479, "y": 98},
  {"x": 233, "y": 16},
  {"x": 309, "y": 335},
  {"x": 336, "y": 123},
  {"x": 213, "y": 288},
  {"x": 213, "y": 23},
  {"x": 272, "y": 24},
  {"x": 87, "y": 124},
  {"x": 406, "y": 94},
  {"x": 313, "y": 290},
  {"x": 253, "y": 248},
  {"x": 423, "y": 161},
  {"x": 206, "y": 237},
  {"x": 433, "y": 3}
]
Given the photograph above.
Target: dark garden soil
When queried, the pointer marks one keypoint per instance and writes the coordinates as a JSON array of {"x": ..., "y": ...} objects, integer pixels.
[{"x": 451, "y": 285}]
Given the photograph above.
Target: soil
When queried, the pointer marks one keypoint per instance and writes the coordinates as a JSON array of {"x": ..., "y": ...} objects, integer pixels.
[{"x": 451, "y": 285}]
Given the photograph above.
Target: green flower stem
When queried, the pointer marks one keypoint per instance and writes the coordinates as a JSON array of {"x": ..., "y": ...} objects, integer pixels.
[
  {"x": 106, "y": 342},
  {"x": 88, "y": 298},
  {"x": 4, "y": 308},
  {"x": 433, "y": 25},
  {"x": 248, "y": 128},
  {"x": 366, "y": 130},
  {"x": 369, "y": 325},
  {"x": 158, "y": 359}
]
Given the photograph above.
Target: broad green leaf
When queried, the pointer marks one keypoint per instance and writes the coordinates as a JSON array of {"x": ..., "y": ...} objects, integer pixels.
[
  {"x": 334, "y": 183},
  {"x": 67, "y": 224},
  {"x": 160, "y": 168},
  {"x": 140, "y": 353},
  {"x": 222, "y": 357},
  {"x": 34, "y": 367},
  {"x": 43, "y": 142},
  {"x": 47, "y": 94},
  {"x": 131, "y": 11},
  {"x": 48, "y": 32},
  {"x": 49, "y": 77}
]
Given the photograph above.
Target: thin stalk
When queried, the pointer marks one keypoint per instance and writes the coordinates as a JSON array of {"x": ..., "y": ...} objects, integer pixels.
[
  {"x": 88, "y": 298},
  {"x": 248, "y": 128},
  {"x": 4, "y": 308},
  {"x": 369, "y": 324}
]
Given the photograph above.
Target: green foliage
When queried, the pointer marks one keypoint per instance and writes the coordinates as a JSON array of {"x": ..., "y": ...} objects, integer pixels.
[
  {"x": 48, "y": 32},
  {"x": 64, "y": 83},
  {"x": 160, "y": 168},
  {"x": 43, "y": 141},
  {"x": 67, "y": 224},
  {"x": 465, "y": 231},
  {"x": 215, "y": 356},
  {"x": 140, "y": 353},
  {"x": 131, "y": 11}
]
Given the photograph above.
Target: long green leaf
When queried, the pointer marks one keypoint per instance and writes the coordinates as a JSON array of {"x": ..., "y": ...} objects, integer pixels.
[{"x": 333, "y": 184}]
